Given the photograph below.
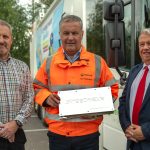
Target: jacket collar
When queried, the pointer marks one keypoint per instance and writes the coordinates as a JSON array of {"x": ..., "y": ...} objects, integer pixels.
[
  {"x": 63, "y": 62},
  {"x": 135, "y": 71}
]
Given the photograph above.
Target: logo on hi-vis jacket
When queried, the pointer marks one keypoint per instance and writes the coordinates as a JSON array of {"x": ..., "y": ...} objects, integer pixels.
[{"x": 86, "y": 76}]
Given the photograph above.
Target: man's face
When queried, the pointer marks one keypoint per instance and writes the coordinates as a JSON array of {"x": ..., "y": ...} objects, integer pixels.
[
  {"x": 5, "y": 41},
  {"x": 144, "y": 48},
  {"x": 71, "y": 36}
]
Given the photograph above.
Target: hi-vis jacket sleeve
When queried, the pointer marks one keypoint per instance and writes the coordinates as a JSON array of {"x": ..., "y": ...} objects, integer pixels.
[
  {"x": 40, "y": 84},
  {"x": 107, "y": 79}
]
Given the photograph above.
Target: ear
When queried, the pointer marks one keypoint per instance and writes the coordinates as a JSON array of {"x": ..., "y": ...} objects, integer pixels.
[
  {"x": 82, "y": 33},
  {"x": 60, "y": 34},
  {"x": 11, "y": 40}
]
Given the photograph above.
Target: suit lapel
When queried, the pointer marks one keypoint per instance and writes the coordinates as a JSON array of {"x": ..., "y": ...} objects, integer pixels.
[
  {"x": 147, "y": 96},
  {"x": 134, "y": 74}
]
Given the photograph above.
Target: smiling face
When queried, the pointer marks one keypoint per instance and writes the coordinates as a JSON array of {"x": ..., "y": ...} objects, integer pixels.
[
  {"x": 144, "y": 48},
  {"x": 71, "y": 36},
  {"x": 5, "y": 41}
]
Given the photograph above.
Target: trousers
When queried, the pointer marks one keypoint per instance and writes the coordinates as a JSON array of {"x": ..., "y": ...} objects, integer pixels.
[
  {"x": 19, "y": 144},
  {"x": 86, "y": 142}
]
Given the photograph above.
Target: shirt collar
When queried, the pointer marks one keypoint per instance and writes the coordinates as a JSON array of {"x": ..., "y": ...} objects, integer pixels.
[
  {"x": 6, "y": 60},
  {"x": 75, "y": 57},
  {"x": 146, "y": 65}
]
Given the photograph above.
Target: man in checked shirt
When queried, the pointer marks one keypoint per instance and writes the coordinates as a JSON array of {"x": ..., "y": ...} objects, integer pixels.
[{"x": 16, "y": 94}]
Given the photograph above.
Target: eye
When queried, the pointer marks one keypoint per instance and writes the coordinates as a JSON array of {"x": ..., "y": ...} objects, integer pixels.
[
  {"x": 141, "y": 44},
  {"x": 5, "y": 37},
  {"x": 66, "y": 33},
  {"x": 75, "y": 33},
  {"x": 148, "y": 43}
]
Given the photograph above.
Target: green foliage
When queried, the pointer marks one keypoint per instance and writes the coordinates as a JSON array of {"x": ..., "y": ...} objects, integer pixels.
[
  {"x": 17, "y": 16},
  {"x": 95, "y": 37},
  {"x": 47, "y": 2},
  {"x": 36, "y": 7}
]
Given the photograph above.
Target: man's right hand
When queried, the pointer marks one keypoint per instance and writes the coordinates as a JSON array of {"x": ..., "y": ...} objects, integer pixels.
[
  {"x": 12, "y": 139},
  {"x": 129, "y": 133},
  {"x": 8, "y": 130},
  {"x": 53, "y": 100}
]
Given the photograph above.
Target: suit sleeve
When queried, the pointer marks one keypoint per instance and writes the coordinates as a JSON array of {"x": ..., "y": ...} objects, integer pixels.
[
  {"x": 124, "y": 117},
  {"x": 146, "y": 130}
]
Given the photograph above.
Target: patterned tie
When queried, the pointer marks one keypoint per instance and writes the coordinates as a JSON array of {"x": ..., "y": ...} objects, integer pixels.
[{"x": 139, "y": 98}]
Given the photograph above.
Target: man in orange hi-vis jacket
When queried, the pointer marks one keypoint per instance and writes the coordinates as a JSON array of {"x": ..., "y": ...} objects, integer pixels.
[{"x": 72, "y": 67}]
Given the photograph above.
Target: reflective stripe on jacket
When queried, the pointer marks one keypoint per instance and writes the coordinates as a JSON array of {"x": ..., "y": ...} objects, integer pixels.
[{"x": 57, "y": 74}]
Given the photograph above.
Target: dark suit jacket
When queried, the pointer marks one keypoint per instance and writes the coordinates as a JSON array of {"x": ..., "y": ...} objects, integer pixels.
[{"x": 144, "y": 115}]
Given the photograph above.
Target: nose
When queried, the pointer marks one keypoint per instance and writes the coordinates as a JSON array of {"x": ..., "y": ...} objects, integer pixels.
[
  {"x": 1, "y": 39},
  {"x": 146, "y": 45},
  {"x": 70, "y": 36}
]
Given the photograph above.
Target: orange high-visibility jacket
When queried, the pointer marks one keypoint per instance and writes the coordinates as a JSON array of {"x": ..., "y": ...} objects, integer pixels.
[{"x": 57, "y": 74}]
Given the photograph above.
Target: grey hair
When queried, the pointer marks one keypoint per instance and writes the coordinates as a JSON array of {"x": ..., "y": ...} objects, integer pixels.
[
  {"x": 4, "y": 23},
  {"x": 70, "y": 18},
  {"x": 145, "y": 31}
]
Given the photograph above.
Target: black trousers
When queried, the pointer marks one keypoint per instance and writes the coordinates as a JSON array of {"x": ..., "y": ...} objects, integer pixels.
[
  {"x": 19, "y": 144},
  {"x": 136, "y": 146},
  {"x": 87, "y": 142}
]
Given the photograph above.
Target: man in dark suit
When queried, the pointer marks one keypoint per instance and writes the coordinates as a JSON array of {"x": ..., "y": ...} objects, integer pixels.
[{"x": 134, "y": 107}]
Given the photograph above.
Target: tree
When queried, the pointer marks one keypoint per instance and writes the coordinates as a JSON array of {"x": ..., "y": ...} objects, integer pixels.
[
  {"x": 16, "y": 15},
  {"x": 47, "y": 2},
  {"x": 95, "y": 35}
]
